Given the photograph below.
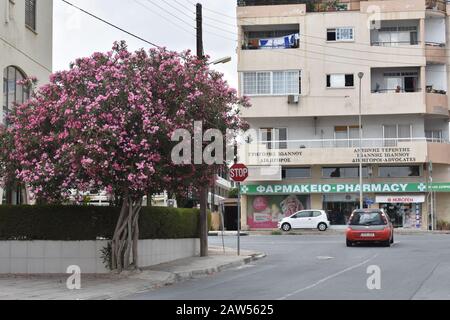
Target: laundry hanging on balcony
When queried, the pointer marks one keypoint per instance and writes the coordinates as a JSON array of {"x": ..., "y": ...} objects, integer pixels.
[{"x": 285, "y": 42}]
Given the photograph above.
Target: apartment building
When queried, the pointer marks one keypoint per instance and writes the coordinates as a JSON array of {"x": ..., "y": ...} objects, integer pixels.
[
  {"x": 300, "y": 62},
  {"x": 25, "y": 50}
]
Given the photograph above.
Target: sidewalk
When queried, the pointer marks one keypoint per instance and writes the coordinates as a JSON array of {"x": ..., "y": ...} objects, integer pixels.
[{"x": 108, "y": 287}]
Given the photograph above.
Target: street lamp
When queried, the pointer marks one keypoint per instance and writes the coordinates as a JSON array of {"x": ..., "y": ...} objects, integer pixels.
[
  {"x": 221, "y": 61},
  {"x": 361, "y": 194}
]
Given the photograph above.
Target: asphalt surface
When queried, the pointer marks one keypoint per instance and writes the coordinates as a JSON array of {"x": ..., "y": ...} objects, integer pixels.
[{"x": 322, "y": 267}]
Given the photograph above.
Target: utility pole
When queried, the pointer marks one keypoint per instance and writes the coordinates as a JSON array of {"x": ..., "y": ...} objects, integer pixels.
[
  {"x": 361, "y": 192},
  {"x": 203, "y": 190}
]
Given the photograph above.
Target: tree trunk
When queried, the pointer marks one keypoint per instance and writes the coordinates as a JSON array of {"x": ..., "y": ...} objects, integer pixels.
[
  {"x": 203, "y": 222},
  {"x": 124, "y": 255}
]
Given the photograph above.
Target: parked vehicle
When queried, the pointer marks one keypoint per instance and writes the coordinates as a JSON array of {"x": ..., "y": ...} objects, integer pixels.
[
  {"x": 369, "y": 225},
  {"x": 306, "y": 219}
]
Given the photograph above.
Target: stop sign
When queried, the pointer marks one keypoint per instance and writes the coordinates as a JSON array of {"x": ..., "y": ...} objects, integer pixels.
[{"x": 239, "y": 172}]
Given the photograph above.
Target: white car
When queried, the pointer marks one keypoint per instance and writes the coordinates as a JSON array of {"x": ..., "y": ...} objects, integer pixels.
[{"x": 307, "y": 219}]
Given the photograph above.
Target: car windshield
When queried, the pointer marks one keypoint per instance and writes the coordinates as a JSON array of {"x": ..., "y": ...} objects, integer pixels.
[{"x": 367, "y": 219}]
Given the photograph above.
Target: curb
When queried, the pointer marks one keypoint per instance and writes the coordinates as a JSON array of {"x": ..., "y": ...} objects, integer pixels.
[{"x": 178, "y": 277}]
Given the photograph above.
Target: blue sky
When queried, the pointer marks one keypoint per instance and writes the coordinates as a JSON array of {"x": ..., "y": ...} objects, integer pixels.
[{"x": 77, "y": 35}]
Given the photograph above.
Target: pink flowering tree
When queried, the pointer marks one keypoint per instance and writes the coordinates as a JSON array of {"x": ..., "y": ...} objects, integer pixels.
[{"x": 107, "y": 124}]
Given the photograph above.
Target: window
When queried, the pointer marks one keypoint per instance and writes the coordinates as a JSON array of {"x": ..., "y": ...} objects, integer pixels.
[
  {"x": 274, "y": 138},
  {"x": 340, "y": 34},
  {"x": 317, "y": 214},
  {"x": 396, "y": 133},
  {"x": 396, "y": 36},
  {"x": 434, "y": 135},
  {"x": 368, "y": 219},
  {"x": 271, "y": 83},
  {"x": 30, "y": 14},
  {"x": 295, "y": 173},
  {"x": 343, "y": 172},
  {"x": 305, "y": 214},
  {"x": 346, "y": 136},
  {"x": 12, "y": 92},
  {"x": 399, "y": 172},
  {"x": 340, "y": 81}
]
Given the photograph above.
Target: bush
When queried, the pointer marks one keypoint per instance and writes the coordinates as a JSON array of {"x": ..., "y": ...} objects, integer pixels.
[
  {"x": 80, "y": 223},
  {"x": 443, "y": 225}
]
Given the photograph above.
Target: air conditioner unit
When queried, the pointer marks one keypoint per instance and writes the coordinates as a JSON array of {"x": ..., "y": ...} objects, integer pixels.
[{"x": 293, "y": 99}]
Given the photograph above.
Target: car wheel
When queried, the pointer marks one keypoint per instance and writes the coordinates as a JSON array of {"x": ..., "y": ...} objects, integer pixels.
[
  {"x": 286, "y": 227},
  {"x": 349, "y": 243},
  {"x": 322, "y": 227}
]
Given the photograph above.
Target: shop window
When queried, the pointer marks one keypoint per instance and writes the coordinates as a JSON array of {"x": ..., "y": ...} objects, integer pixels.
[
  {"x": 296, "y": 173},
  {"x": 343, "y": 172},
  {"x": 399, "y": 172}
]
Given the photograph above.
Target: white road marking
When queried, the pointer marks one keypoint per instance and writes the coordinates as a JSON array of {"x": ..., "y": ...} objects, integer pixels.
[
  {"x": 328, "y": 278},
  {"x": 324, "y": 258}
]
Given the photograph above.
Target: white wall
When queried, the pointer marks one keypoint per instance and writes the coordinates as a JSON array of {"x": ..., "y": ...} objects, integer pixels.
[
  {"x": 435, "y": 30},
  {"x": 53, "y": 257},
  {"x": 437, "y": 76}
]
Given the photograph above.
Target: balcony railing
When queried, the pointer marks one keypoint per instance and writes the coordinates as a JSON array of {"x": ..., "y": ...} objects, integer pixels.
[
  {"x": 394, "y": 43},
  {"x": 342, "y": 143},
  {"x": 396, "y": 90}
]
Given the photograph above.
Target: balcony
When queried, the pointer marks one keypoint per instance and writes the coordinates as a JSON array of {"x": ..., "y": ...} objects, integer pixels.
[
  {"x": 436, "y": 53},
  {"x": 335, "y": 152},
  {"x": 436, "y": 6},
  {"x": 439, "y": 153},
  {"x": 437, "y": 104},
  {"x": 270, "y": 37},
  {"x": 396, "y": 33},
  {"x": 396, "y": 80}
]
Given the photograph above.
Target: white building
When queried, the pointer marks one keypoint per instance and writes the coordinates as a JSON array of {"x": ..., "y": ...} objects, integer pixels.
[
  {"x": 300, "y": 62},
  {"x": 25, "y": 50}
]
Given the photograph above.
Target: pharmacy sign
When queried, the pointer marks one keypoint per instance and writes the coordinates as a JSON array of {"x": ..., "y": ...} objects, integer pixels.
[{"x": 288, "y": 189}]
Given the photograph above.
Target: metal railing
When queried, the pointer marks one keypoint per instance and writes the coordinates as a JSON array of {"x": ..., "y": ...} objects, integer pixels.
[
  {"x": 341, "y": 143},
  {"x": 397, "y": 90},
  {"x": 394, "y": 43}
]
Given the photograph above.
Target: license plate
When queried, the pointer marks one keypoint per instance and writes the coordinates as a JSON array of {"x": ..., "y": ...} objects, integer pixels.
[{"x": 368, "y": 235}]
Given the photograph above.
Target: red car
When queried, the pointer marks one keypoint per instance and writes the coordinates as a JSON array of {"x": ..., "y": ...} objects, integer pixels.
[{"x": 371, "y": 225}]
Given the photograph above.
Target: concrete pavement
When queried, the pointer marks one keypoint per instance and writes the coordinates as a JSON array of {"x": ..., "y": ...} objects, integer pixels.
[
  {"x": 322, "y": 267},
  {"x": 107, "y": 287}
]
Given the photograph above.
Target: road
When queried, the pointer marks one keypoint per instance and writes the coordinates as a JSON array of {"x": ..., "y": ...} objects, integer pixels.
[{"x": 322, "y": 267}]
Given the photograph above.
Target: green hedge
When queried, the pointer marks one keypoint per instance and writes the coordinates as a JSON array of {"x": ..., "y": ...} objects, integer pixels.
[{"x": 79, "y": 223}]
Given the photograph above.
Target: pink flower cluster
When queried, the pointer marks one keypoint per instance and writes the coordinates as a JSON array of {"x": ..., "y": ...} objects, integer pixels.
[{"x": 107, "y": 122}]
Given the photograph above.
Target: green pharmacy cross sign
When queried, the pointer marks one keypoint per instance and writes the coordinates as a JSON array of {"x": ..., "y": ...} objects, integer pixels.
[{"x": 287, "y": 189}]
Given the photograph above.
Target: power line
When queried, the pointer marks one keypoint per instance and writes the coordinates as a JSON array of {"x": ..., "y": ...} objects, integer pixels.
[
  {"x": 184, "y": 21},
  {"x": 170, "y": 13},
  {"x": 165, "y": 18},
  {"x": 183, "y": 5},
  {"x": 205, "y": 23},
  {"x": 111, "y": 24}
]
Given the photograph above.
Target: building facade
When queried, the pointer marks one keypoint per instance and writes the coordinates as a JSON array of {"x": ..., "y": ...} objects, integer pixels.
[
  {"x": 25, "y": 50},
  {"x": 300, "y": 63}
]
